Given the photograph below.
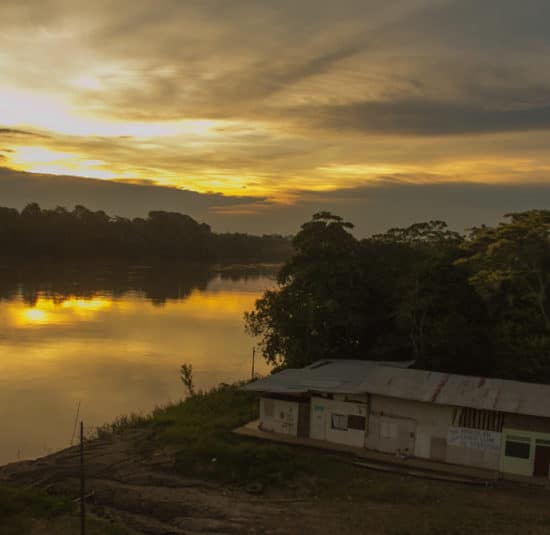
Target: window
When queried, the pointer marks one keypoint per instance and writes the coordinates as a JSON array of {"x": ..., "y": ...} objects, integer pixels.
[
  {"x": 269, "y": 408},
  {"x": 480, "y": 419},
  {"x": 340, "y": 422},
  {"x": 356, "y": 422},
  {"x": 519, "y": 450}
]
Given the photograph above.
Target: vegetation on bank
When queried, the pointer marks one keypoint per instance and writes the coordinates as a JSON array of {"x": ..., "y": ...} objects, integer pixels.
[
  {"x": 84, "y": 234},
  {"x": 348, "y": 498},
  {"x": 30, "y": 511},
  {"x": 477, "y": 304},
  {"x": 339, "y": 496}
]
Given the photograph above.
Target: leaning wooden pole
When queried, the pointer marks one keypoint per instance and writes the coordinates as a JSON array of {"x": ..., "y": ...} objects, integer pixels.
[{"x": 82, "y": 483}]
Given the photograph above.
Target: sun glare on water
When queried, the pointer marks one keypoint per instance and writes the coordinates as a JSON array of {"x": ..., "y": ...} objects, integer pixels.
[
  {"x": 48, "y": 311},
  {"x": 34, "y": 315}
]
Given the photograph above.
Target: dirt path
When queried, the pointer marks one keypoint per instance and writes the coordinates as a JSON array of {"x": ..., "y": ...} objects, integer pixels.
[{"x": 146, "y": 496}]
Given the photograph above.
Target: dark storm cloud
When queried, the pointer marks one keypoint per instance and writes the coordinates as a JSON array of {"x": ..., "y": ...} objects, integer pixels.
[
  {"x": 373, "y": 208},
  {"x": 130, "y": 200},
  {"x": 428, "y": 118},
  {"x": 376, "y": 207}
]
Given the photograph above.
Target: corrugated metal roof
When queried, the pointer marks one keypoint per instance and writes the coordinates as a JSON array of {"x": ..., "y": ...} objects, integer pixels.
[
  {"x": 386, "y": 379},
  {"x": 338, "y": 376}
]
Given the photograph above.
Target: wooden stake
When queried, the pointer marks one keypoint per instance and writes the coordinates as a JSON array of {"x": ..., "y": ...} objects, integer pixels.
[
  {"x": 82, "y": 483},
  {"x": 253, "y": 359}
]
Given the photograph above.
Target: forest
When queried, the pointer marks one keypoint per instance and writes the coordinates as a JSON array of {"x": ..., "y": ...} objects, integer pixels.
[
  {"x": 475, "y": 304},
  {"x": 81, "y": 234}
]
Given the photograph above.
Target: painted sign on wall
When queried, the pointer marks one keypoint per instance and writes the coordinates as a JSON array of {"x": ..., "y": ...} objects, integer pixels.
[{"x": 477, "y": 439}]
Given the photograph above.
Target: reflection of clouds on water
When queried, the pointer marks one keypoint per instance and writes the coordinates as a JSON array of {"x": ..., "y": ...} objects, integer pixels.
[{"x": 117, "y": 354}]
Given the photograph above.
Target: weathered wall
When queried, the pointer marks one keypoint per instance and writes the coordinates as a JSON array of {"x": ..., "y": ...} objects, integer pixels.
[
  {"x": 473, "y": 447},
  {"x": 321, "y": 422},
  {"x": 412, "y": 427},
  {"x": 527, "y": 423},
  {"x": 279, "y": 416},
  {"x": 426, "y": 430}
]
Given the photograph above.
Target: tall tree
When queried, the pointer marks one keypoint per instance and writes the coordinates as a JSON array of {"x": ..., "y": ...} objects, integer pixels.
[
  {"x": 319, "y": 308},
  {"x": 514, "y": 254},
  {"x": 438, "y": 319},
  {"x": 510, "y": 267}
]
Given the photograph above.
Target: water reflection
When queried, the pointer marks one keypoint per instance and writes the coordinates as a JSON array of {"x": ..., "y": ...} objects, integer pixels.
[{"x": 114, "y": 340}]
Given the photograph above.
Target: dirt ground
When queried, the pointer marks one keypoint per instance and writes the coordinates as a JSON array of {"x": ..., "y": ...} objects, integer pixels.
[{"x": 143, "y": 494}]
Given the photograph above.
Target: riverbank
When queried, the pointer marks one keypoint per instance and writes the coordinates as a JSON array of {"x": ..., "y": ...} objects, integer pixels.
[{"x": 182, "y": 470}]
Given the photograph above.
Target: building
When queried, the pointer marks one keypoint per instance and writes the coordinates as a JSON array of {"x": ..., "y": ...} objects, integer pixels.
[{"x": 493, "y": 424}]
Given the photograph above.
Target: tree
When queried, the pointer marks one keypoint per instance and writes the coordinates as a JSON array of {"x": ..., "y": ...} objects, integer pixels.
[
  {"x": 509, "y": 266},
  {"x": 438, "y": 320},
  {"x": 186, "y": 376},
  {"x": 82, "y": 234},
  {"x": 515, "y": 254},
  {"x": 319, "y": 308}
]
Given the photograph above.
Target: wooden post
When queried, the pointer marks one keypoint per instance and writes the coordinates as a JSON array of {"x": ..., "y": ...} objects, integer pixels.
[
  {"x": 82, "y": 483},
  {"x": 253, "y": 358}
]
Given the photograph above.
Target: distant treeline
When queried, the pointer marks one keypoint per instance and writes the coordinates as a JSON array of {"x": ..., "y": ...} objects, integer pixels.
[
  {"x": 477, "y": 304},
  {"x": 82, "y": 233}
]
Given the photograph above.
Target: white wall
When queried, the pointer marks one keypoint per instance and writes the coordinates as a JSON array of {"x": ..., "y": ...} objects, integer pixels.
[
  {"x": 397, "y": 424},
  {"x": 279, "y": 416},
  {"x": 423, "y": 429},
  {"x": 473, "y": 447},
  {"x": 321, "y": 421}
]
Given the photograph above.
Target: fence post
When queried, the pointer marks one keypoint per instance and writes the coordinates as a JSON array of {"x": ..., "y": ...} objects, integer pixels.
[{"x": 82, "y": 483}]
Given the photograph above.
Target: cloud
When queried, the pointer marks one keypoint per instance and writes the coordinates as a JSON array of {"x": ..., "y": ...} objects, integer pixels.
[
  {"x": 427, "y": 118},
  {"x": 373, "y": 207},
  {"x": 302, "y": 96},
  {"x": 15, "y": 132},
  {"x": 125, "y": 199}
]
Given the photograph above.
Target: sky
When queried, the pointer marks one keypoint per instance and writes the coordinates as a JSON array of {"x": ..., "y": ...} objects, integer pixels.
[{"x": 253, "y": 114}]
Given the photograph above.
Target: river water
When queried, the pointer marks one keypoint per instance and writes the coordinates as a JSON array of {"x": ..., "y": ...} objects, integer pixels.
[{"x": 107, "y": 341}]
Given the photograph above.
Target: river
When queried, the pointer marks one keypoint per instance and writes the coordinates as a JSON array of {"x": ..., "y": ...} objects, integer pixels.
[{"x": 96, "y": 342}]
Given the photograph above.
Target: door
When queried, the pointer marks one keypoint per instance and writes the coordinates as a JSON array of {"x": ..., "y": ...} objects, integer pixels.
[
  {"x": 303, "y": 419},
  {"x": 317, "y": 419},
  {"x": 397, "y": 435},
  {"x": 542, "y": 461}
]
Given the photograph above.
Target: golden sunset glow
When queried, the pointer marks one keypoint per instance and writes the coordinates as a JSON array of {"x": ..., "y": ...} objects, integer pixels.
[
  {"x": 116, "y": 356},
  {"x": 33, "y": 315},
  {"x": 48, "y": 311},
  {"x": 279, "y": 110},
  {"x": 84, "y": 305}
]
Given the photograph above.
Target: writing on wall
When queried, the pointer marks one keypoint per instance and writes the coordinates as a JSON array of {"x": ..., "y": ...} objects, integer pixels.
[{"x": 477, "y": 439}]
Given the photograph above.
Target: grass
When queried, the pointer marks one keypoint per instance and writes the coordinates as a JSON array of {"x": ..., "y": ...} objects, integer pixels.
[
  {"x": 19, "y": 508},
  {"x": 33, "y": 512},
  {"x": 348, "y": 497},
  {"x": 200, "y": 429}
]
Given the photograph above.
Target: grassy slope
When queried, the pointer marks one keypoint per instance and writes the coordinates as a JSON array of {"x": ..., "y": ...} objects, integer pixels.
[
  {"x": 340, "y": 497},
  {"x": 350, "y": 497},
  {"x": 32, "y": 512}
]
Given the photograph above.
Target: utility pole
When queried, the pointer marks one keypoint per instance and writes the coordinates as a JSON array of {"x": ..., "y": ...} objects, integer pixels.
[
  {"x": 82, "y": 483},
  {"x": 253, "y": 359}
]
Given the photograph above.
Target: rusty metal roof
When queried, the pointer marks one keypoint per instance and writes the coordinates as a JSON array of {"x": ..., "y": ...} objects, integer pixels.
[
  {"x": 338, "y": 376},
  {"x": 357, "y": 377}
]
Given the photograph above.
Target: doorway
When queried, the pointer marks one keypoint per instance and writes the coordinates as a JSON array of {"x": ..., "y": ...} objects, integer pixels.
[{"x": 542, "y": 461}]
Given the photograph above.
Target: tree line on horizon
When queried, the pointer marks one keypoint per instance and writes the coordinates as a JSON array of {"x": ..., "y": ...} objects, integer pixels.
[
  {"x": 85, "y": 234},
  {"x": 473, "y": 304}
]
